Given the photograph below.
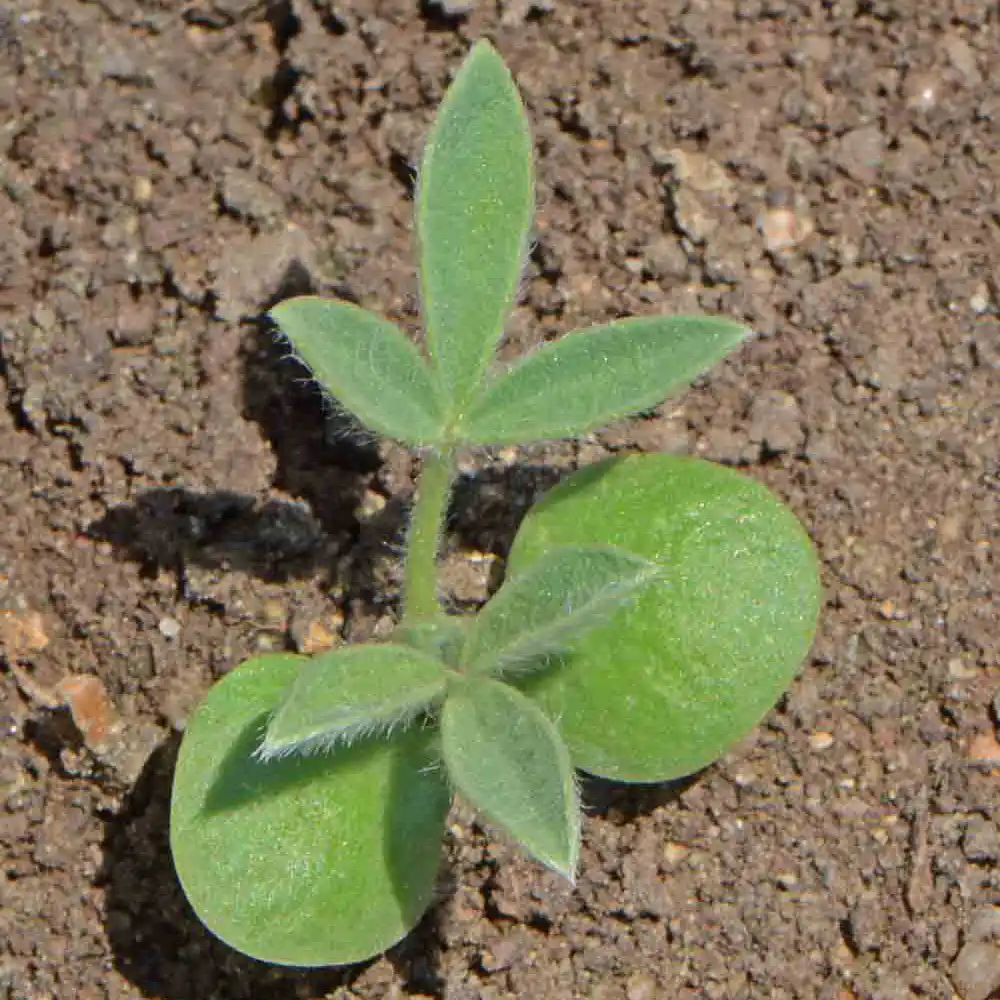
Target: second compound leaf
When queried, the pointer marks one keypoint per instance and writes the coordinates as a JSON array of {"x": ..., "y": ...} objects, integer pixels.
[
  {"x": 341, "y": 695},
  {"x": 507, "y": 759}
]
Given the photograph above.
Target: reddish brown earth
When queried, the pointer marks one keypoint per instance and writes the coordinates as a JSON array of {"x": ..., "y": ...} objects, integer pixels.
[{"x": 174, "y": 498}]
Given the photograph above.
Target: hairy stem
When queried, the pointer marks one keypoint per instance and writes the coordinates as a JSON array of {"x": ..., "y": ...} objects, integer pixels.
[{"x": 420, "y": 579}]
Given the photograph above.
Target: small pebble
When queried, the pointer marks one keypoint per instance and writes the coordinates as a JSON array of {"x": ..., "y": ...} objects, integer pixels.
[
  {"x": 142, "y": 189},
  {"x": 921, "y": 91},
  {"x": 372, "y": 503},
  {"x": 674, "y": 853},
  {"x": 980, "y": 301},
  {"x": 169, "y": 628},
  {"x": 820, "y": 741},
  {"x": 783, "y": 228}
]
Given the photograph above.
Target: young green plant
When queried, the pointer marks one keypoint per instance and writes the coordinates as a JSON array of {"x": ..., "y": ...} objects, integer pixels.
[{"x": 654, "y": 607}]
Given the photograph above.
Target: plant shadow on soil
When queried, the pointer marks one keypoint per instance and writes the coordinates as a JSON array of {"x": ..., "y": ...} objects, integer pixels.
[
  {"x": 320, "y": 460},
  {"x": 623, "y": 803}
]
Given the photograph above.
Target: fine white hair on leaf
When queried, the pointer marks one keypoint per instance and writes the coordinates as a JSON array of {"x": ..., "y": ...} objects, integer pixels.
[
  {"x": 351, "y": 429},
  {"x": 346, "y": 737}
]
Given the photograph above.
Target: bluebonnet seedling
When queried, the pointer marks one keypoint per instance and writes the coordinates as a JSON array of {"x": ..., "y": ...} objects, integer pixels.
[{"x": 654, "y": 607}]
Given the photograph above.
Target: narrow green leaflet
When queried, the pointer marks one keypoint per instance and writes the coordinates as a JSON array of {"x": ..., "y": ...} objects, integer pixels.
[
  {"x": 558, "y": 599},
  {"x": 302, "y": 861},
  {"x": 474, "y": 203},
  {"x": 590, "y": 377},
  {"x": 689, "y": 666},
  {"x": 367, "y": 363},
  {"x": 352, "y": 692},
  {"x": 507, "y": 759}
]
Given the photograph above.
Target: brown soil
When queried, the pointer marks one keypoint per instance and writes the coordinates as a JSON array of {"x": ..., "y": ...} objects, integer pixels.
[{"x": 174, "y": 498}]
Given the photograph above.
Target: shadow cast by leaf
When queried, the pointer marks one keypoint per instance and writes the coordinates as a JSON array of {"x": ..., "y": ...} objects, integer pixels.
[
  {"x": 172, "y": 528},
  {"x": 323, "y": 457},
  {"x": 624, "y": 803},
  {"x": 438, "y": 17},
  {"x": 488, "y": 505}
]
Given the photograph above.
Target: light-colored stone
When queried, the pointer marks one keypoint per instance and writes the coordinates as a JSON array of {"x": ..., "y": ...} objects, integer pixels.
[
  {"x": 820, "y": 741},
  {"x": 170, "y": 628},
  {"x": 674, "y": 853},
  {"x": 783, "y": 228}
]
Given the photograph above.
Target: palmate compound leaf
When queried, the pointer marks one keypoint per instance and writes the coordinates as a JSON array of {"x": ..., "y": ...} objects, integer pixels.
[
  {"x": 506, "y": 758},
  {"x": 588, "y": 378},
  {"x": 367, "y": 363},
  {"x": 706, "y": 648},
  {"x": 302, "y": 861},
  {"x": 536, "y": 613},
  {"x": 475, "y": 197},
  {"x": 344, "y": 694}
]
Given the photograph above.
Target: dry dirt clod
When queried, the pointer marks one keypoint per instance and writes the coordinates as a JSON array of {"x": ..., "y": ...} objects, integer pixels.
[
  {"x": 860, "y": 153},
  {"x": 976, "y": 970},
  {"x": 254, "y": 270},
  {"x": 985, "y": 925},
  {"x": 775, "y": 422},
  {"x": 701, "y": 193},
  {"x": 641, "y": 986},
  {"x": 249, "y": 198},
  {"x": 984, "y": 750},
  {"x": 22, "y": 633},
  {"x": 90, "y": 707},
  {"x": 674, "y": 853},
  {"x": 981, "y": 841}
]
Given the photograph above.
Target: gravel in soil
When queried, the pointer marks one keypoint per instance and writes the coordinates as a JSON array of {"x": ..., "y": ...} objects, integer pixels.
[{"x": 175, "y": 498}]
